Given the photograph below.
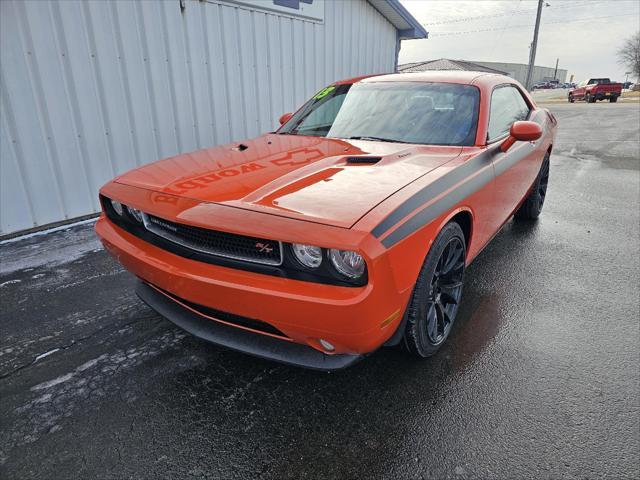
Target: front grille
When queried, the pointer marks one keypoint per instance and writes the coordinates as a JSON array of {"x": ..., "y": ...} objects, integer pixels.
[{"x": 212, "y": 242}]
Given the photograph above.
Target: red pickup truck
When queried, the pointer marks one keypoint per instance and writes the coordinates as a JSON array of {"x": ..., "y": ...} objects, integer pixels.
[{"x": 596, "y": 89}]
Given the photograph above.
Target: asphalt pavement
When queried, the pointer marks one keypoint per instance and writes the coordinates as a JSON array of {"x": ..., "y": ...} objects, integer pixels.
[{"x": 540, "y": 377}]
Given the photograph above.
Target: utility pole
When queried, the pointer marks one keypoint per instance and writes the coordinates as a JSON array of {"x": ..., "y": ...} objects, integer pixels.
[
  {"x": 555, "y": 72},
  {"x": 532, "y": 56}
]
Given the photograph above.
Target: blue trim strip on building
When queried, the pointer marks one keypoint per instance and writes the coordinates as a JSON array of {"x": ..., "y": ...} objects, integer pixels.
[{"x": 416, "y": 31}]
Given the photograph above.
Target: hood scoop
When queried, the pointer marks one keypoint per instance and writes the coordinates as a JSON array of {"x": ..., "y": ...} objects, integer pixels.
[{"x": 363, "y": 160}]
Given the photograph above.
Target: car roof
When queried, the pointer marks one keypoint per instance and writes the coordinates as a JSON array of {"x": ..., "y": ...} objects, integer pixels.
[{"x": 445, "y": 76}]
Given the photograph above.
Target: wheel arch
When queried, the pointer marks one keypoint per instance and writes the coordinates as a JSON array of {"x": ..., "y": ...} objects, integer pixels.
[{"x": 464, "y": 217}]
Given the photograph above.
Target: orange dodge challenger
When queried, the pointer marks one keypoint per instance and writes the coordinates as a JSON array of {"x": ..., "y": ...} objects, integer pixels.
[{"x": 347, "y": 229}]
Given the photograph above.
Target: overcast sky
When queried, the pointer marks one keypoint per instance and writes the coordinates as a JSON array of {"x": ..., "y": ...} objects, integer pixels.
[{"x": 584, "y": 34}]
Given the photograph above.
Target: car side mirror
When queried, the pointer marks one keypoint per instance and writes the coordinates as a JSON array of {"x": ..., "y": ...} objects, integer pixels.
[
  {"x": 285, "y": 118},
  {"x": 523, "y": 131}
]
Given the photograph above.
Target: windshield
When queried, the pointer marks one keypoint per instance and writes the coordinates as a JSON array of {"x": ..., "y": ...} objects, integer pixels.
[{"x": 407, "y": 112}]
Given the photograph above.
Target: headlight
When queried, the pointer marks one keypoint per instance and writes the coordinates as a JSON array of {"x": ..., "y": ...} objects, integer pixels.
[
  {"x": 135, "y": 213},
  {"x": 117, "y": 207},
  {"x": 348, "y": 263},
  {"x": 307, "y": 255}
]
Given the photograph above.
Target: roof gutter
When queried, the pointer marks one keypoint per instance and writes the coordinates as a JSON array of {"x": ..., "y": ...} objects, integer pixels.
[
  {"x": 415, "y": 30},
  {"x": 407, "y": 26}
]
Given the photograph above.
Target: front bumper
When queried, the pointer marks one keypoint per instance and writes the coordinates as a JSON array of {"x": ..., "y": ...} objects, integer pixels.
[
  {"x": 229, "y": 337},
  {"x": 355, "y": 320}
]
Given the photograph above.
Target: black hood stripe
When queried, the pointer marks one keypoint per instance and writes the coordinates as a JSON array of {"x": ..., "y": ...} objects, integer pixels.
[
  {"x": 446, "y": 182},
  {"x": 486, "y": 175},
  {"x": 432, "y": 190}
]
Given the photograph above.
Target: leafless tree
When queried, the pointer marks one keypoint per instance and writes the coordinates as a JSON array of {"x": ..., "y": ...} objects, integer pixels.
[{"x": 629, "y": 54}]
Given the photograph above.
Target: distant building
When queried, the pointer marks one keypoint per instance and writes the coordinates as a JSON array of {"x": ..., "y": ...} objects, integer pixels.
[
  {"x": 446, "y": 64},
  {"x": 514, "y": 70},
  {"x": 519, "y": 72}
]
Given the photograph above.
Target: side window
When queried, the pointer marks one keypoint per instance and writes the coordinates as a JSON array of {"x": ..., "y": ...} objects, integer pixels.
[
  {"x": 522, "y": 105},
  {"x": 507, "y": 106}
]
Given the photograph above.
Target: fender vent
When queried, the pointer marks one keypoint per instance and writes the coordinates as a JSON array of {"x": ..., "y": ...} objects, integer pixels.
[{"x": 363, "y": 160}]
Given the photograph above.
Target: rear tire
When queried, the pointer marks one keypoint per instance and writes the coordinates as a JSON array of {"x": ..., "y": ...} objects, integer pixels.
[
  {"x": 436, "y": 295},
  {"x": 532, "y": 206},
  {"x": 613, "y": 99}
]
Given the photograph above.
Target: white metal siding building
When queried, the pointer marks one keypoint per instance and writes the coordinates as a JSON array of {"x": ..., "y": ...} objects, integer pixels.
[
  {"x": 90, "y": 89},
  {"x": 519, "y": 72}
]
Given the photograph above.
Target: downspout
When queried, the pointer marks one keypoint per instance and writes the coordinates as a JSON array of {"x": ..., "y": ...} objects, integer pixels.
[{"x": 395, "y": 67}]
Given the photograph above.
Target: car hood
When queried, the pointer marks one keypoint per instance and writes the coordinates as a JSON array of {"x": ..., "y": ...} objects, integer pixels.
[{"x": 323, "y": 180}]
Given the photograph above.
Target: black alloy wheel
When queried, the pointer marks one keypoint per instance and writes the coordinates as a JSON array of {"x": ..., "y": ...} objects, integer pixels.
[
  {"x": 436, "y": 296},
  {"x": 543, "y": 182},
  {"x": 532, "y": 206},
  {"x": 446, "y": 290}
]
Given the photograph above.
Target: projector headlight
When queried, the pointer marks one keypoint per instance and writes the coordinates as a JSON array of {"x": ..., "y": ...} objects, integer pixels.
[
  {"x": 348, "y": 263},
  {"x": 136, "y": 214},
  {"x": 117, "y": 207},
  {"x": 308, "y": 255}
]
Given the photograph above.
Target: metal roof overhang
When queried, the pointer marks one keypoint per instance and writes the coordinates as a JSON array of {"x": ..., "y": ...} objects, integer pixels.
[{"x": 408, "y": 27}]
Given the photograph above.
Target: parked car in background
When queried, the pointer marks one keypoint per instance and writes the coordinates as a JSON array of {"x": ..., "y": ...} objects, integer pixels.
[
  {"x": 348, "y": 228},
  {"x": 543, "y": 86},
  {"x": 596, "y": 89}
]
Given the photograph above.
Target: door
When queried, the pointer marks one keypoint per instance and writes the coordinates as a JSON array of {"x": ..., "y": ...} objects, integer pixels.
[
  {"x": 579, "y": 91},
  {"x": 516, "y": 169}
]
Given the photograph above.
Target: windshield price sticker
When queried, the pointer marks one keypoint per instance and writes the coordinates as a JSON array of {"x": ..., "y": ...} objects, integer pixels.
[{"x": 324, "y": 93}]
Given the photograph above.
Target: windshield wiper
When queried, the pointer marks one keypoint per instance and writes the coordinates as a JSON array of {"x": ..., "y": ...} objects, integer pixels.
[{"x": 375, "y": 139}]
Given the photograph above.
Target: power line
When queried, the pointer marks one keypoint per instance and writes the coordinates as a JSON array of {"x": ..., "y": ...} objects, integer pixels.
[
  {"x": 564, "y": 22},
  {"x": 513, "y": 12}
]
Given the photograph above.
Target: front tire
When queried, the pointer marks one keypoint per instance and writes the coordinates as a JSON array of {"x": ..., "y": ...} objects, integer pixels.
[
  {"x": 436, "y": 295},
  {"x": 532, "y": 206},
  {"x": 571, "y": 99}
]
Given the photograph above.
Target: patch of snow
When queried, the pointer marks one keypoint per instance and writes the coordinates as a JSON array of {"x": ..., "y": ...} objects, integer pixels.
[
  {"x": 48, "y": 231},
  {"x": 90, "y": 363},
  {"x": 46, "y": 354},
  {"x": 9, "y": 282},
  {"x": 53, "y": 249},
  {"x": 54, "y": 382},
  {"x": 43, "y": 399},
  {"x": 460, "y": 471}
]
